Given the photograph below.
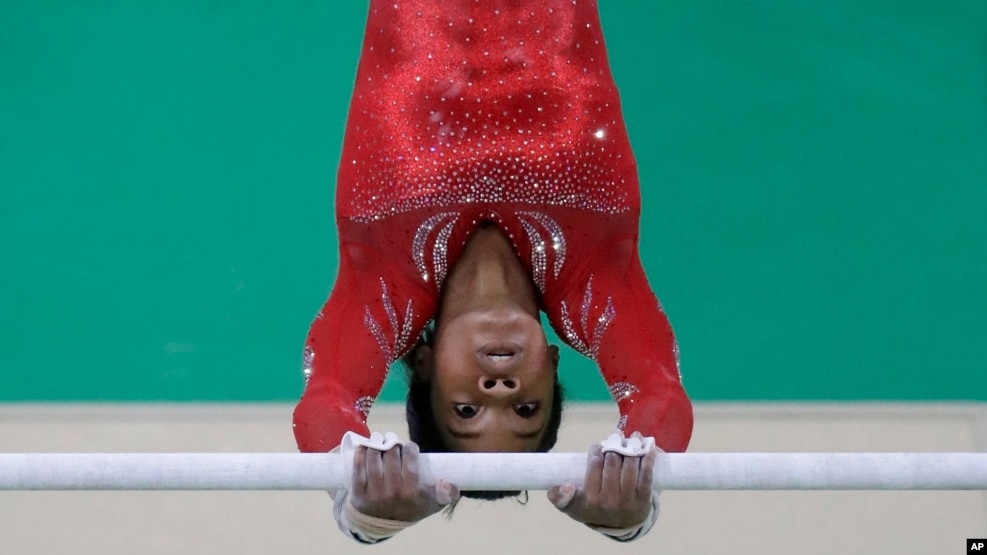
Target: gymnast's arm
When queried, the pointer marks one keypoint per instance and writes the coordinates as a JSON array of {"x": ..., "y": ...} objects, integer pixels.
[
  {"x": 612, "y": 316},
  {"x": 371, "y": 318}
]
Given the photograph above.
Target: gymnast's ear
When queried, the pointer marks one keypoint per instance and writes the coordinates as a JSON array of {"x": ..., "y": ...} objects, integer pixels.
[
  {"x": 424, "y": 362},
  {"x": 553, "y": 353}
]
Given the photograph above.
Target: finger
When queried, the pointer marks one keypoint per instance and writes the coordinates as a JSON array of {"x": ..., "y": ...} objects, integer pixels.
[
  {"x": 593, "y": 482},
  {"x": 445, "y": 493},
  {"x": 562, "y": 496},
  {"x": 629, "y": 471},
  {"x": 647, "y": 474},
  {"x": 409, "y": 469},
  {"x": 360, "y": 469},
  {"x": 375, "y": 468},
  {"x": 612, "y": 463},
  {"x": 409, "y": 462},
  {"x": 392, "y": 465}
]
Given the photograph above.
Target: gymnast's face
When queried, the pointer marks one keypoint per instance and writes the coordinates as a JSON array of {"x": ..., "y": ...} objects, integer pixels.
[{"x": 493, "y": 377}]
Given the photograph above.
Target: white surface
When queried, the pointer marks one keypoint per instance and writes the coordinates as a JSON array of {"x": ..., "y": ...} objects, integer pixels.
[
  {"x": 491, "y": 471},
  {"x": 760, "y": 523}
]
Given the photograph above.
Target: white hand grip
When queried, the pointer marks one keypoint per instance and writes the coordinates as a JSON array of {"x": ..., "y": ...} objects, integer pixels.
[{"x": 629, "y": 447}]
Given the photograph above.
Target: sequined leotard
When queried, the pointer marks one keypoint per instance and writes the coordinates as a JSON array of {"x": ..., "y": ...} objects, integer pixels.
[{"x": 469, "y": 111}]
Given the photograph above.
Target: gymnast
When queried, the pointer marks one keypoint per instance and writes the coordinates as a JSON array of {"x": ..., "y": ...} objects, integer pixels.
[{"x": 486, "y": 178}]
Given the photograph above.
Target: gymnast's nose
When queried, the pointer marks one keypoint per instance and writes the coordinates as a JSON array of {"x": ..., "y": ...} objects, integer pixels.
[{"x": 499, "y": 387}]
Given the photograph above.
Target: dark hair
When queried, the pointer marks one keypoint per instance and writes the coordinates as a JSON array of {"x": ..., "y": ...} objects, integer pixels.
[{"x": 423, "y": 430}]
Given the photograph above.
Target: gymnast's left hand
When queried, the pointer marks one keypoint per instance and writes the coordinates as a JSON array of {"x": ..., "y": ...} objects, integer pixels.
[
  {"x": 385, "y": 485},
  {"x": 616, "y": 491}
]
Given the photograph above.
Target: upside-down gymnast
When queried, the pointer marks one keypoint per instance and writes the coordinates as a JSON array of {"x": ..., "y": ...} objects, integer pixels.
[{"x": 486, "y": 177}]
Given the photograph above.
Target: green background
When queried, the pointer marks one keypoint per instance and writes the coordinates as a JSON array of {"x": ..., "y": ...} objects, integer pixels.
[{"x": 815, "y": 182}]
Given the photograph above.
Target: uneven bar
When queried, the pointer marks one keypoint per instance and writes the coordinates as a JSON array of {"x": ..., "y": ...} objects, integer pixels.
[{"x": 492, "y": 471}]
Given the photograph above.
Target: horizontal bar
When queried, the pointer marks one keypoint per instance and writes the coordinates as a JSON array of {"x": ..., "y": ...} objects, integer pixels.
[{"x": 492, "y": 471}]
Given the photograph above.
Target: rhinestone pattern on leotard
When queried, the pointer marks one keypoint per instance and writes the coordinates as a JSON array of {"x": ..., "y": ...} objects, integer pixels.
[{"x": 484, "y": 102}]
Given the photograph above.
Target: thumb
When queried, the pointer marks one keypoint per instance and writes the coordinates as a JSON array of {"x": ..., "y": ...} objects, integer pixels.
[
  {"x": 561, "y": 496},
  {"x": 445, "y": 493}
]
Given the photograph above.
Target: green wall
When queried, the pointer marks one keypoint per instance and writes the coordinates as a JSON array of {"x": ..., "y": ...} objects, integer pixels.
[{"x": 815, "y": 182}]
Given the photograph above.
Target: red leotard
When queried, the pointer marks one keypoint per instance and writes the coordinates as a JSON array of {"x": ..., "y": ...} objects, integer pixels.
[{"x": 496, "y": 110}]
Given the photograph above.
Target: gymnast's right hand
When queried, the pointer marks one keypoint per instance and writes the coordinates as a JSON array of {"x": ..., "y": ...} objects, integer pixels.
[{"x": 385, "y": 485}]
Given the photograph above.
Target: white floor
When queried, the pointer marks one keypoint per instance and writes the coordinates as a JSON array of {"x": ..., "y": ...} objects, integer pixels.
[{"x": 111, "y": 523}]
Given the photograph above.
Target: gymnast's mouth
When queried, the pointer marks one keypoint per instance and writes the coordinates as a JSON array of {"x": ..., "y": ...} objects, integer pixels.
[{"x": 500, "y": 355}]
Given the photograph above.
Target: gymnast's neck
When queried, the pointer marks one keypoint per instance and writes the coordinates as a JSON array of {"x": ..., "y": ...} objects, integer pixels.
[{"x": 488, "y": 277}]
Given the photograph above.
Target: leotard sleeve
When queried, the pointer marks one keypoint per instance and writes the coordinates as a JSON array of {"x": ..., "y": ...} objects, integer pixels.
[
  {"x": 611, "y": 315},
  {"x": 374, "y": 314}
]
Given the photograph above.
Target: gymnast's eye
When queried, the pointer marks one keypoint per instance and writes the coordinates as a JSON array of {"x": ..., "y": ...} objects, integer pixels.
[
  {"x": 465, "y": 411},
  {"x": 527, "y": 410}
]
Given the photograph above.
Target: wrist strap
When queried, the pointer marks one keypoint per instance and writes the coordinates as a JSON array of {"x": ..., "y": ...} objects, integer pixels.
[
  {"x": 633, "y": 532},
  {"x": 363, "y": 528}
]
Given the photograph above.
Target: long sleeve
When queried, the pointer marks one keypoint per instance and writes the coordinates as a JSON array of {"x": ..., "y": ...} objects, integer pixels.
[
  {"x": 609, "y": 313},
  {"x": 374, "y": 314}
]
